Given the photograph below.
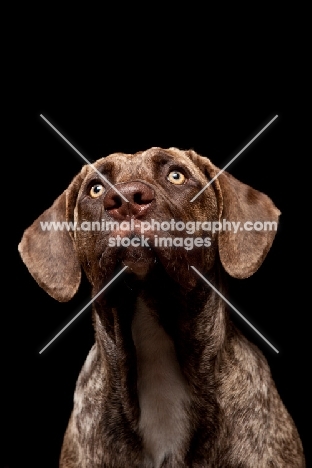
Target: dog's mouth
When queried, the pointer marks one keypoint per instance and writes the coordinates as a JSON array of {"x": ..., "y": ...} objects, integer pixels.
[{"x": 142, "y": 252}]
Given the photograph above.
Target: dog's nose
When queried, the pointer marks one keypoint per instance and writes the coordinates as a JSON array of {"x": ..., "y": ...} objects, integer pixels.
[{"x": 139, "y": 195}]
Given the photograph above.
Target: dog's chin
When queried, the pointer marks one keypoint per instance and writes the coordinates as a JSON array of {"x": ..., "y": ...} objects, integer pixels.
[
  {"x": 138, "y": 268},
  {"x": 139, "y": 261},
  {"x": 143, "y": 262}
]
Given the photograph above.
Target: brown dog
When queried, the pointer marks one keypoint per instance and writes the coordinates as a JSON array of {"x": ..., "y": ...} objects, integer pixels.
[{"x": 170, "y": 381}]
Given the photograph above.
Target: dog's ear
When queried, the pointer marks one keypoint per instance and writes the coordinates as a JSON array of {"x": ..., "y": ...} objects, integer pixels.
[
  {"x": 241, "y": 254},
  {"x": 50, "y": 255}
]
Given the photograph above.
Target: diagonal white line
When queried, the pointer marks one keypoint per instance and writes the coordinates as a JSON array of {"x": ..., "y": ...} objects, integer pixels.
[
  {"x": 235, "y": 310},
  {"x": 233, "y": 159},
  {"x": 83, "y": 309},
  {"x": 83, "y": 157}
]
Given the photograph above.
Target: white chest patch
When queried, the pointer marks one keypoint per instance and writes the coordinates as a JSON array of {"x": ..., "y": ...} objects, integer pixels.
[{"x": 162, "y": 389}]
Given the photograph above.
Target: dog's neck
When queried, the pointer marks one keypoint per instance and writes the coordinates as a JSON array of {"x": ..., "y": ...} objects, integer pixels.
[{"x": 155, "y": 336}]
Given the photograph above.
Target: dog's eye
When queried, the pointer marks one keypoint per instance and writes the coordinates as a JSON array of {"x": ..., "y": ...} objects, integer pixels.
[
  {"x": 176, "y": 177},
  {"x": 96, "y": 191}
]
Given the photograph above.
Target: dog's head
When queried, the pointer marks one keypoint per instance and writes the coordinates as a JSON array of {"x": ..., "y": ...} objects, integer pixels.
[{"x": 146, "y": 220}]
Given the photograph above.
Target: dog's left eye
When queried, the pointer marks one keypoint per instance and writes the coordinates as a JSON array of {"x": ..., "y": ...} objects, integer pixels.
[
  {"x": 96, "y": 191},
  {"x": 176, "y": 177}
]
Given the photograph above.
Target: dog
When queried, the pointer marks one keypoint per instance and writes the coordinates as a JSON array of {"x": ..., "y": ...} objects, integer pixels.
[{"x": 170, "y": 381}]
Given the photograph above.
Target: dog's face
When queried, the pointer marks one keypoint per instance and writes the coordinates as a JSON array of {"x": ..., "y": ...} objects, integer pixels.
[{"x": 159, "y": 186}]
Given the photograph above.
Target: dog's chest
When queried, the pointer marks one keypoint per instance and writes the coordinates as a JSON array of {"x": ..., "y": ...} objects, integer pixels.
[{"x": 162, "y": 389}]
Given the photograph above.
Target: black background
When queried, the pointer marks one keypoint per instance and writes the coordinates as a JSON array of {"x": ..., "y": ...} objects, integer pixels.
[{"x": 165, "y": 106}]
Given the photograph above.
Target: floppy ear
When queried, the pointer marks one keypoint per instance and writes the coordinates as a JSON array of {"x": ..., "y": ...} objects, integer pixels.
[
  {"x": 50, "y": 255},
  {"x": 241, "y": 254}
]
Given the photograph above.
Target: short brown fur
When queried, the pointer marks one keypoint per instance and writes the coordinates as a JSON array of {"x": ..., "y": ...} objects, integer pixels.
[{"x": 226, "y": 412}]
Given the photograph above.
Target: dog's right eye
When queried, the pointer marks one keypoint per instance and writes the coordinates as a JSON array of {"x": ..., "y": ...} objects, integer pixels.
[{"x": 96, "y": 191}]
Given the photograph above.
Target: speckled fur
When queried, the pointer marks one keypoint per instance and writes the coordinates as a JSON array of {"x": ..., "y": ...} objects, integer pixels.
[{"x": 170, "y": 382}]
